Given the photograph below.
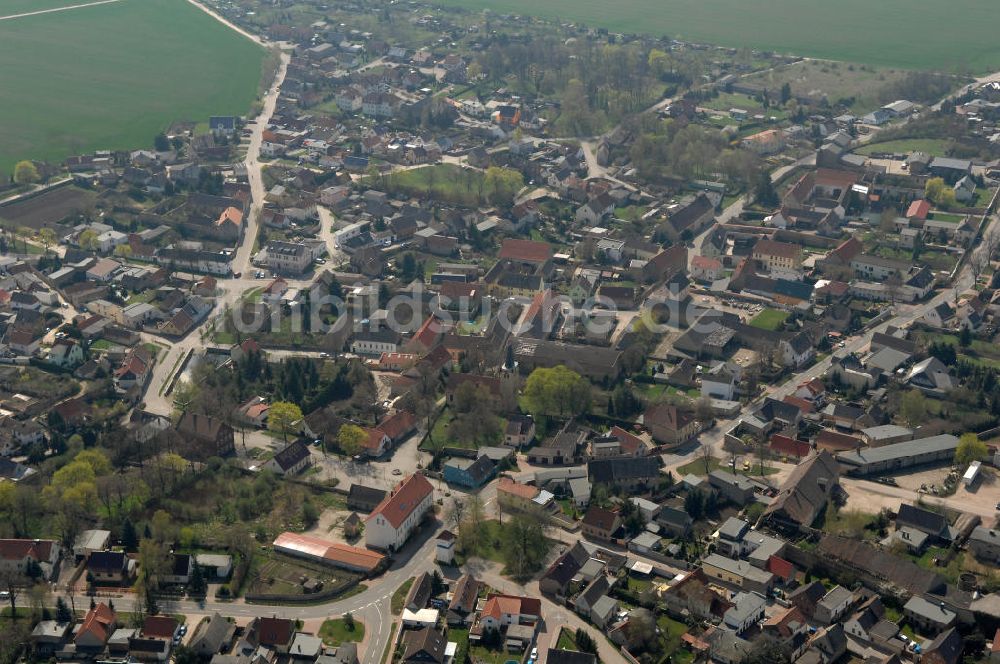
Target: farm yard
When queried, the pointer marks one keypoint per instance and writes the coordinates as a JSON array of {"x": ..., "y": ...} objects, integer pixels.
[
  {"x": 849, "y": 30},
  {"x": 46, "y": 209},
  {"x": 66, "y": 88}
]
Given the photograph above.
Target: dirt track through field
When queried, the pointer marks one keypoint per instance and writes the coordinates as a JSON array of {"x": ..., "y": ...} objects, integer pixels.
[{"x": 57, "y": 9}]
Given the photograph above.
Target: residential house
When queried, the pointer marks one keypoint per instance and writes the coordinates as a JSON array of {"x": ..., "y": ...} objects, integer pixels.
[
  {"x": 205, "y": 436},
  {"x": 946, "y": 648},
  {"x": 154, "y": 640},
  {"x": 670, "y": 425},
  {"x": 424, "y": 646},
  {"x": 737, "y": 489},
  {"x": 694, "y": 595},
  {"x": 778, "y": 257},
  {"x": 834, "y": 605},
  {"x": 928, "y": 616},
  {"x": 290, "y": 460},
  {"x": 984, "y": 544},
  {"x": 746, "y": 612},
  {"x": 626, "y": 473},
  {"x": 804, "y": 494},
  {"x": 674, "y": 522},
  {"x": 600, "y": 523},
  {"x": 558, "y": 450},
  {"x": 108, "y": 568},
  {"x": 520, "y": 431},
  {"x": 737, "y": 573},
  {"x": 18, "y": 555},
  {"x": 95, "y": 630},
  {"x": 468, "y": 472}
]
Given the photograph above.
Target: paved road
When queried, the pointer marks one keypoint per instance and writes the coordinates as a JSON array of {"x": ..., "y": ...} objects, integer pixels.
[
  {"x": 371, "y": 606},
  {"x": 241, "y": 262},
  {"x": 56, "y": 9}
]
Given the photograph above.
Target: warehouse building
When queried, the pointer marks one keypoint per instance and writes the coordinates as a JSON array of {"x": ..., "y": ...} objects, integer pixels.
[{"x": 898, "y": 456}]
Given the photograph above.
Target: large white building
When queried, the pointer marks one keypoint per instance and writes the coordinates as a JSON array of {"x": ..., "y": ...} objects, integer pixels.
[
  {"x": 394, "y": 519},
  {"x": 288, "y": 257}
]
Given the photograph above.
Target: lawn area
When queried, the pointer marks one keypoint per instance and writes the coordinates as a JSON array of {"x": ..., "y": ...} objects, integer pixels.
[
  {"x": 728, "y": 100},
  {"x": 697, "y": 467},
  {"x": 849, "y": 523},
  {"x": 935, "y": 147},
  {"x": 670, "y": 638},
  {"x": 446, "y": 182},
  {"x": 566, "y": 640},
  {"x": 335, "y": 632},
  {"x": 946, "y": 216},
  {"x": 479, "y": 653},
  {"x": 399, "y": 597},
  {"x": 980, "y": 350},
  {"x": 951, "y": 571},
  {"x": 804, "y": 27},
  {"x": 67, "y": 88},
  {"x": 440, "y": 432},
  {"x": 769, "y": 319}
]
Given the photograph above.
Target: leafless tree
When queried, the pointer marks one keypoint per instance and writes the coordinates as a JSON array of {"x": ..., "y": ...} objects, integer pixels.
[
  {"x": 12, "y": 581},
  {"x": 706, "y": 456}
]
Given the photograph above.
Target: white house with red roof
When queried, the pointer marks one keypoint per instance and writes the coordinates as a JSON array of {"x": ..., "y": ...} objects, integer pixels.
[
  {"x": 505, "y": 610},
  {"x": 134, "y": 369},
  {"x": 394, "y": 519},
  {"x": 16, "y": 555},
  {"x": 704, "y": 268},
  {"x": 96, "y": 629}
]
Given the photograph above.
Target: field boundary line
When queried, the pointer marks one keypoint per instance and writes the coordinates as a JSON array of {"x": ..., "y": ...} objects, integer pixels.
[{"x": 57, "y": 9}]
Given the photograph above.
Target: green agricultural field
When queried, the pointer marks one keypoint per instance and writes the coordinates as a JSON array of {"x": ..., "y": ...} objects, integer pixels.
[
  {"x": 112, "y": 76},
  {"x": 911, "y": 34},
  {"x": 10, "y": 7}
]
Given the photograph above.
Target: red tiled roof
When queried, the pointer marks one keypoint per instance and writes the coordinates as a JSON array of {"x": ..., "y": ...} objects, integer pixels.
[
  {"x": 835, "y": 441},
  {"x": 336, "y": 552},
  {"x": 826, "y": 177},
  {"x": 848, "y": 249},
  {"x": 19, "y": 549},
  {"x": 231, "y": 216},
  {"x": 629, "y": 442},
  {"x": 405, "y": 498},
  {"x": 600, "y": 518},
  {"x": 97, "y": 623},
  {"x": 525, "y": 250},
  {"x": 789, "y": 446},
  {"x": 275, "y": 631},
  {"x": 918, "y": 209},
  {"x": 499, "y": 605},
  {"x": 780, "y": 567},
  {"x": 430, "y": 331},
  {"x": 397, "y": 424},
  {"x": 705, "y": 262},
  {"x": 375, "y": 437},
  {"x": 525, "y": 491},
  {"x": 800, "y": 403},
  {"x": 161, "y": 627}
]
